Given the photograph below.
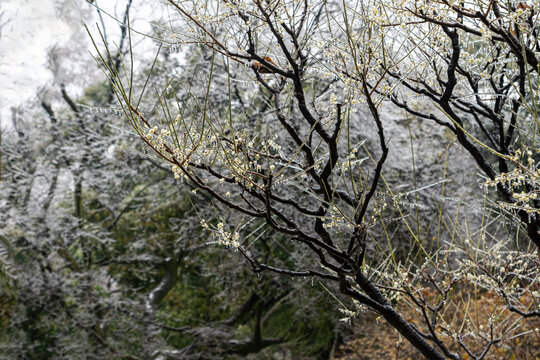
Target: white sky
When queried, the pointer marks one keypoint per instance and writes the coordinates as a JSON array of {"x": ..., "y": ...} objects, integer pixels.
[{"x": 33, "y": 27}]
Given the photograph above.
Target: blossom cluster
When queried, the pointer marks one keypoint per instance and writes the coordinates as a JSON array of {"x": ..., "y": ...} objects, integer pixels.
[
  {"x": 222, "y": 236},
  {"x": 523, "y": 181}
]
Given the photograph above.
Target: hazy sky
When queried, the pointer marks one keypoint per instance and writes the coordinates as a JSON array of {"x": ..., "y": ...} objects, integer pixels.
[{"x": 33, "y": 27}]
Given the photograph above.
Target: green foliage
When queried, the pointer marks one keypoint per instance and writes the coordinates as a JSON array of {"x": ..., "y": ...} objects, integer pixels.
[
  {"x": 96, "y": 94},
  {"x": 8, "y": 298},
  {"x": 311, "y": 333}
]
